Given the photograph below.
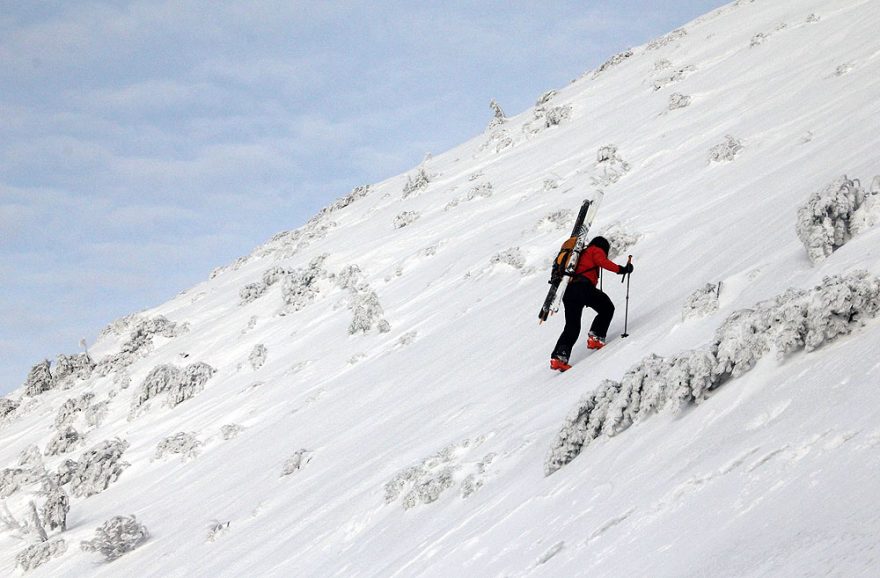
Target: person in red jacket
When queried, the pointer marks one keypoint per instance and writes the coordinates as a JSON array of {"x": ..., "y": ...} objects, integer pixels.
[{"x": 583, "y": 292}]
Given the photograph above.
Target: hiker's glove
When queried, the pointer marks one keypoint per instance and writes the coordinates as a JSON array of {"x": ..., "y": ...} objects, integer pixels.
[{"x": 624, "y": 269}]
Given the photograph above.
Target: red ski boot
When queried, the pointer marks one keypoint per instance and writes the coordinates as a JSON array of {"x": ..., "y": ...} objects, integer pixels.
[
  {"x": 559, "y": 365},
  {"x": 595, "y": 342}
]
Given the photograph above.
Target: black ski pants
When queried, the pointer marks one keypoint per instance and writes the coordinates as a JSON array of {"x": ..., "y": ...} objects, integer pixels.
[{"x": 580, "y": 294}]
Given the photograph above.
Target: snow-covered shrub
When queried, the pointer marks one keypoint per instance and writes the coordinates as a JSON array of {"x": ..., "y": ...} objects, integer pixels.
[
  {"x": 758, "y": 39},
  {"x": 7, "y": 407},
  {"x": 702, "y": 302},
  {"x": 620, "y": 239},
  {"x": 612, "y": 62},
  {"x": 295, "y": 462},
  {"x": 673, "y": 77},
  {"x": 192, "y": 381},
  {"x": 96, "y": 413},
  {"x": 350, "y": 277},
  {"x": 288, "y": 243},
  {"x": 424, "y": 483},
  {"x": 258, "y": 356},
  {"x": 545, "y": 98},
  {"x": 513, "y": 257},
  {"x": 68, "y": 367},
  {"x": 824, "y": 222},
  {"x": 39, "y": 379},
  {"x": 38, "y": 554},
  {"x": 300, "y": 287},
  {"x": 416, "y": 184},
  {"x": 64, "y": 473},
  {"x": 499, "y": 139},
  {"x": 612, "y": 166},
  {"x": 557, "y": 220},
  {"x": 140, "y": 342},
  {"x": 98, "y": 468},
  {"x": 868, "y": 213},
  {"x": 406, "y": 218},
  {"x": 230, "y": 431},
  {"x": 31, "y": 458},
  {"x": 63, "y": 441},
  {"x": 160, "y": 379},
  {"x": 118, "y": 536},
  {"x": 356, "y": 193},
  {"x": 662, "y": 64},
  {"x": 367, "y": 313},
  {"x": 407, "y": 338},
  {"x": 678, "y": 100},
  {"x": 725, "y": 151},
  {"x": 813, "y": 18},
  {"x": 55, "y": 509},
  {"x": 121, "y": 379},
  {"x": 481, "y": 191},
  {"x": 794, "y": 320},
  {"x": 251, "y": 292},
  {"x": 546, "y": 117},
  {"x": 216, "y": 529},
  {"x": 275, "y": 274},
  {"x": 498, "y": 116},
  {"x": 184, "y": 444},
  {"x": 69, "y": 410},
  {"x": 12, "y": 479},
  {"x": 666, "y": 39}
]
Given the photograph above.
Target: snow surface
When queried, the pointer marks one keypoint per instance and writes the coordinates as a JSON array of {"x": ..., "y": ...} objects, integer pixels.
[{"x": 398, "y": 416}]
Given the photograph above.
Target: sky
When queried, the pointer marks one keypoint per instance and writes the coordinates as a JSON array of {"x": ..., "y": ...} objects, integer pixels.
[{"x": 145, "y": 143}]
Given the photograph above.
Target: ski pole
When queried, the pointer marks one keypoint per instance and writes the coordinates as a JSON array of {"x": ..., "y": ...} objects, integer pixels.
[{"x": 626, "y": 313}]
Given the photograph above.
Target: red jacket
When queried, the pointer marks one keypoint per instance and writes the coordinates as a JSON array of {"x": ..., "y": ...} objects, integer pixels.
[{"x": 591, "y": 259}]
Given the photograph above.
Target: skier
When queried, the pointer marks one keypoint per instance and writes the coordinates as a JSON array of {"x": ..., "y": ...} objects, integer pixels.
[{"x": 582, "y": 292}]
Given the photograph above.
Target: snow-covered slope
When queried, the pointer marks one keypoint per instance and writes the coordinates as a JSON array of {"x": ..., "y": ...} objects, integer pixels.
[{"x": 381, "y": 403}]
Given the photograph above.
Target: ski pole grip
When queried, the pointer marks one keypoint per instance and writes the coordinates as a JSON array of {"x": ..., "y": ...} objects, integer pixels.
[{"x": 629, "y": 260}]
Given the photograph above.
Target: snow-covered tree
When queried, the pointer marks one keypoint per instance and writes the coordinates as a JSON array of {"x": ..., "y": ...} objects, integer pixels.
[
  {"x": 39, "y": 379},
  {"x": 702, "y": 302},
  {"x": 258, "y": 356},
  {"x": 725, "y": 151},
  {"x": 64, "y": 440},
  {"x": 55, "y": 508},
  {"x": 367, "y": 313},
  {"x": 296, "y": 462},
  {"x": 184, "y": 444},
  {"x": 406, "y": 218},
  {"x": 71, "y": 408},
  {"x": 38, "y": 554},
  {"x": 7, "y": 407},
  {"x": 191, "y": 382},
  {"x": 98, "y": 468},
  {"x": 300, "y": 287},
  {"x": 824, "y": 222},
  {"x": 116, "y": 537},
  {"x": 416, "y": 184}
]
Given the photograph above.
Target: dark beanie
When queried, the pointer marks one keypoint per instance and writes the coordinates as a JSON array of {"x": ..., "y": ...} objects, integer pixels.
[{"x": 602, "y": 243}]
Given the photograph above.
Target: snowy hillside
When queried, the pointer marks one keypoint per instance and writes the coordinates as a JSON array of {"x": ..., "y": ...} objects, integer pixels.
[{"x": 369, "y": 395}]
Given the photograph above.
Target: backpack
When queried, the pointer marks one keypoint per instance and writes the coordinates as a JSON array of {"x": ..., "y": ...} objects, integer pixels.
[{"x": 560, "y": 263}]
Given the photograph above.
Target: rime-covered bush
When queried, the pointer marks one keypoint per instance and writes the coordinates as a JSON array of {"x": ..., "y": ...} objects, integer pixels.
[
  {"x": 96, "y": 413},
  {"x": 118, "y": 536},
  {"x": 38, "y": 554},
  {"x": 7, "y": 407},
  {"x": 39, "y": 379},
  {"x": 55, "y": 508},
  {"x": 406, "y": 218},
  {"x": 356, "y": 193},
  {"x": 251, "y": 292},
  {"x": 792, "y": 321},
  {"x": 296, "y": 462},
  {"x": 64, "y": 473},
  {"x": 288, "y": 243},
  {"x": 350, "y": 277},
  {"x": 758, "y": 39},
  {"x": 367, "y": 313},
  {"x": 416, "y": 184},
  {"x": 557, "y": 220},
  {"x": 481, "y": 191},
  {"x": 140, "y": 342},
  {"x": 513, "y": 257},
  {"x": 68, "y": 367},
  {"x": 192, "y": 381},
  {"x": 98, "y": 468},
  {"x": 545, "y": 98},
  {"x": 678, "y": 100},
  {"x": 258, "y": 356},
  {"x": 275, "y": 274},
  {"x": 184, "y": 444},
  {"x": 611, "y": 165},
  {"x": 217, "y": 529},
  {"x": 673, "y": 77},
  {"x": 725, "y": 151},
  {"x": 71, "y": 408},
  {"x": 546, "y": 117},
  {"x": 824, "y": 222},
  {"x": 160, "y": 379},
  {"x": 230, "y": 431},
  {"x": 498, "y": 116},
  {"x": 613, "y": 61},
  {"x": 300, "y": 287},
  {"x": 666, "y": 39},
  {"x": 12, "y": 479},
  {"x": 499, "y": 139},
  {"x": 31, "y": 458},
  {"x": 425, "y": 482},
  {"x": 620, "y": 239},
  {"x": 813, "y": 18},
  {"x": 702, "y": 302},
  {"x": 64, "y": 440}
]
